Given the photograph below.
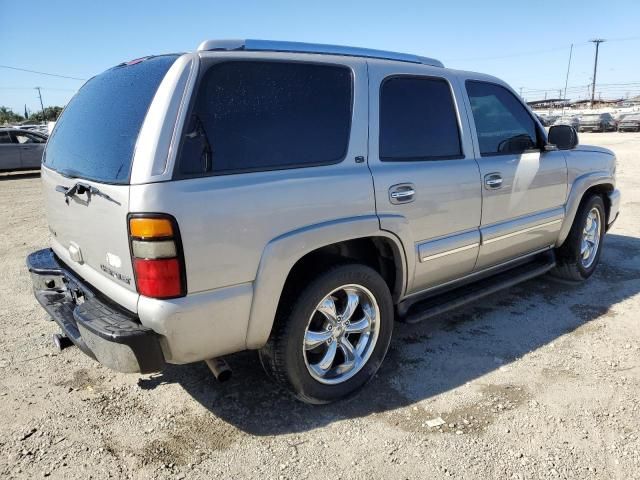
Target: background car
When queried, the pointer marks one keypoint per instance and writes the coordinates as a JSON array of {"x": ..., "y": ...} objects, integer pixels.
[
  {"x": 630, "y": 123},
  {"x": 597, "y": 122},
  {"x": 543, "y": 120},
  {"x": 572, "y": 121},
  {"x": 21, "y": 149}
]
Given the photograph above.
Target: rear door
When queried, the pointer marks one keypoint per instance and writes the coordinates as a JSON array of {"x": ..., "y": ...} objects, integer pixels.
[
  {"x": 9, "y": 152},
  {"x": 524, "y": 186},
  {"x": 424, "y": 171},
  {"x": 92, "y": 145},
  {"x": 274, "y": 143}
]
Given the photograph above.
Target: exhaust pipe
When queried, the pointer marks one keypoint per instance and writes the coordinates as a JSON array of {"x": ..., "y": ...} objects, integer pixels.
[{"x": 220, "y": 368}]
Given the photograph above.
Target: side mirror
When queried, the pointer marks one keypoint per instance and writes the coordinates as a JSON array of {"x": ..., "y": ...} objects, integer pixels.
[{"x": 564, "y": 137}]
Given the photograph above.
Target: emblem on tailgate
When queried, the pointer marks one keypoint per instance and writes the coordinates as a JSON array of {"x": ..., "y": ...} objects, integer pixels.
[{"x": 114, "y": 274}]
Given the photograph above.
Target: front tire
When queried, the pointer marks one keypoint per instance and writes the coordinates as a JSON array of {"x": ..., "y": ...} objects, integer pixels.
[
  {"x": 331, "y": 337},
  {"x": 579, "y": 255}
]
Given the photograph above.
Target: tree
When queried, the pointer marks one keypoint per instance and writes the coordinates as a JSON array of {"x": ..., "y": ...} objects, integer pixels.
[
  {"x": 51, "y": 114},
  {"x": 9, "y": 116}
]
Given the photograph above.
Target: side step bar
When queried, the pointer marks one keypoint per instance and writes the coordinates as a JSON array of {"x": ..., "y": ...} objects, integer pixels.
[{"x": 469, "y": 293}]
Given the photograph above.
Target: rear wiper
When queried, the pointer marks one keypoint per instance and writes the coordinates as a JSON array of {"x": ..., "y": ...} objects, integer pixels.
[{"x": 80, "y": 188}]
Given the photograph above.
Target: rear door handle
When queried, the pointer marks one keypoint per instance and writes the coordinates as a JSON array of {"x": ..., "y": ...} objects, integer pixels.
[
  {"x": 402, "y": 193},
  {"x": 493, "y": 181}
]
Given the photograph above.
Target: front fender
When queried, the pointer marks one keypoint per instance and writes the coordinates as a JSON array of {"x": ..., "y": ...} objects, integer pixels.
[
  {"x": 282, "y": 253},
  {"x": 578, "y": 189}
]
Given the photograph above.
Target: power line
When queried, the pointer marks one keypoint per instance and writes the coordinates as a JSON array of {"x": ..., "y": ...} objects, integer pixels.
[
  {"x": 520, "y": 54},
  {"x": 625, "y": 39},
  {"x": 43, "y": 73},
  {"x": 43, "y": 88}
]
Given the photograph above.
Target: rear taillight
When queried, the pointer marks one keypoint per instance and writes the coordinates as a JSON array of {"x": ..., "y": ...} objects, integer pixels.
[{"x": 157, "y": 257}]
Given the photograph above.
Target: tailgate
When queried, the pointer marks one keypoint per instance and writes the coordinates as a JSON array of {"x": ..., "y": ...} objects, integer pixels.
[
  {"x": 92, "y": 148},
  {"x": 89, "y": 233}
]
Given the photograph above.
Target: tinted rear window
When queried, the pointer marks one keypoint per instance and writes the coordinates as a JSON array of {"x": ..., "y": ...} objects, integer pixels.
[
  {"x": 418, "y": 120},
  {"x": 96, "y": 134},
  {"x": 251, "y": 116}
]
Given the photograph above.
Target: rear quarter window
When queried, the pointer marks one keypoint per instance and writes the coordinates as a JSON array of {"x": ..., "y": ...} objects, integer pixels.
[
  {"x": 261, "y": 115},
  {"x": 418, "y": 120},
  {"x": 97, "y": 132}
]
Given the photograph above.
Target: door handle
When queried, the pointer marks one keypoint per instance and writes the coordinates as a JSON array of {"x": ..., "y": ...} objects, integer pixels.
[
  {"x": 493, "y": 181},
  {"x": 402, "y": 193}
]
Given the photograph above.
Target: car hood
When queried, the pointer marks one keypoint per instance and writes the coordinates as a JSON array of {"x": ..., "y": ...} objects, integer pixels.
[
  {"x": 591, "y": 121},
  {"x": 593, "y": 148}
]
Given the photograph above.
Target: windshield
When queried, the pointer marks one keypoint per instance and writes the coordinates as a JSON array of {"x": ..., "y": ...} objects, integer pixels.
[
  {"x": 591, "y": 117},
  {"x": 96, "y": 134}
]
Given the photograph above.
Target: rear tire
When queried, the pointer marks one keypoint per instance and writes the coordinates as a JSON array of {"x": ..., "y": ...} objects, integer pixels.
[
  {"x": 325, "y": 344},
  {"x": 579, "y": 255}
]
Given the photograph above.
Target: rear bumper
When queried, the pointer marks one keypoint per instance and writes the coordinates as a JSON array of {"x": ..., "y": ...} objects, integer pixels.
[
  {"x": 105, "y": 332},
  {"x": 614, "y": 207}
]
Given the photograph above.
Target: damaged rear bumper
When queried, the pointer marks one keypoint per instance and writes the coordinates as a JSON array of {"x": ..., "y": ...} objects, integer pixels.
[{"x": 105, "y": 332}]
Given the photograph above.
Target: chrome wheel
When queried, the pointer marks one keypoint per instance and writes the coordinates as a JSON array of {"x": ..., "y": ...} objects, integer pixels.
[
  {"x": 590, "y": 238},
  {"x": 341, "y": 334}
]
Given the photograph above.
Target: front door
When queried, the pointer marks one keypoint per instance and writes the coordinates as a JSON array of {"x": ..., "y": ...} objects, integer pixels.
[
  {"x": 427, "y": 182},
  {"x": 524, "y": 187}
]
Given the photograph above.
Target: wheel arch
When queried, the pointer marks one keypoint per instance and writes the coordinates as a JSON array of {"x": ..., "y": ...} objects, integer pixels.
[
  {"x": 287, "y": 259},
  {"x": 601, "y": 183}
]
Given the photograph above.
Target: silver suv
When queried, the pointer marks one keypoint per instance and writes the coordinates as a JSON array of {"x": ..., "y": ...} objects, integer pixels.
[{"x": 295, "y": 199}]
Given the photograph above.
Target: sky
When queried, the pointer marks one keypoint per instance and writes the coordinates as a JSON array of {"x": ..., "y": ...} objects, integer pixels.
[{"x": 524, "y": 43}]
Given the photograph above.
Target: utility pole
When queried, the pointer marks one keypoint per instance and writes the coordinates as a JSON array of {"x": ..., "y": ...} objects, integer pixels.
[
  {"x": 597, "y": 41},
  {"x": 41, "y": 104}
]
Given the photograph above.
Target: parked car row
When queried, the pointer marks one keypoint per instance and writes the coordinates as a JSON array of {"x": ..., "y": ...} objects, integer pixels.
[
  {"x": 34, "y": 128},
  {"x": 595, "y": 122}
]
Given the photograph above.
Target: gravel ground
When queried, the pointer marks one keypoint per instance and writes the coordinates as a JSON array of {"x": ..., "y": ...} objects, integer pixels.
[{"x": 540, "y": 381}]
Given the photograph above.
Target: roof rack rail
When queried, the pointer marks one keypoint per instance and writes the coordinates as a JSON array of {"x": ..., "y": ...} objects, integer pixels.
[{"x": 300, "y": 47}]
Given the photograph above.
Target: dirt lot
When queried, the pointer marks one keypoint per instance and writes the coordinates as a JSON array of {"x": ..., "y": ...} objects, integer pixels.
[{"x": 541, "y": 381}]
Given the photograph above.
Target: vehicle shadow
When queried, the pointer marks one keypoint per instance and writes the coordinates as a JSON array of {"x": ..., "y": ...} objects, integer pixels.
[
  {"x": 428, "y": 358},
  {"x": 19, "y": 175}
]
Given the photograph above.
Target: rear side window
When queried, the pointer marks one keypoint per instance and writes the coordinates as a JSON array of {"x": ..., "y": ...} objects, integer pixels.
[
  {"x": 97, "y": 132},
  {"x": 418, "y": 120},
  {"x": 503, "y": 125},
  {"x": 251, "y": 116}
]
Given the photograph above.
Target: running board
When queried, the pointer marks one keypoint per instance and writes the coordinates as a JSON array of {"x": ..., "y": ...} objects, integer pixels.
[{"x": 463, "y": 295}]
